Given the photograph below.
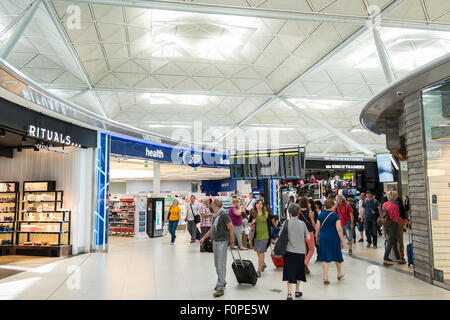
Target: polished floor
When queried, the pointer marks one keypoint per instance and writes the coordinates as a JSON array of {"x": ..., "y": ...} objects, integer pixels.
[{"x": 152, "y": 269}]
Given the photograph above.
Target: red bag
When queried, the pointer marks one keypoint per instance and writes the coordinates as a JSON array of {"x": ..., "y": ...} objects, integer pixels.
[{"x": 277, "y": 261}]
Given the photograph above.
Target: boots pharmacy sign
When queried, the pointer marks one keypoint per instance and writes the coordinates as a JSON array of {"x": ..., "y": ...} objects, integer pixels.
[{"x": 50, "y": 136}]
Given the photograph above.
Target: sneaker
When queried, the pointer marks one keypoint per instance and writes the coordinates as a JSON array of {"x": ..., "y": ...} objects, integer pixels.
[
  {"x": 218, "y": 293},
  {"x": 361, "y": 240},
  {"x": 350, "y": 252},
  {"x": 171, "y": 243}
]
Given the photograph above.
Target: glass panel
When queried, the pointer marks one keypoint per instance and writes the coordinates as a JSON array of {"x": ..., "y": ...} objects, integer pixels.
[{"x": 436, "y": 113}]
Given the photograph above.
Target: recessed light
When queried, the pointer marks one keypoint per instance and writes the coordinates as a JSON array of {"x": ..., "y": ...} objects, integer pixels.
[{"x": 10, "y": 83}]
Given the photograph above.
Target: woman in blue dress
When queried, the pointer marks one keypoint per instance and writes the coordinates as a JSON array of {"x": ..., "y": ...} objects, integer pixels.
[{"x": 330, "y": 238}]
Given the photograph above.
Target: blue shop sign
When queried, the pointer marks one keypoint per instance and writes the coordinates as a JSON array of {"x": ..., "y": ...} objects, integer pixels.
[{"x": 178, "y": 155}]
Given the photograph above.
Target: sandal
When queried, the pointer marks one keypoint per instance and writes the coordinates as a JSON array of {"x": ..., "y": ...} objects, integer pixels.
[
  {"x": 325, "y": 282},
  {"x": 340, "y": 277},
  {"x": 289, "y": 297},
  {"x": 298, "y": 294}
]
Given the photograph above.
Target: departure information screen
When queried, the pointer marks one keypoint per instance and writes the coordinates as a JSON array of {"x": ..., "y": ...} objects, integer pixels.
[{"x": 275, "y": 165}]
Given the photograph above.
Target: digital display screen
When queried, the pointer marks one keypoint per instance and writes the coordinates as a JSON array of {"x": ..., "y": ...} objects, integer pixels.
[
  {"x": 292, "y": 163},
  {"x": 158, "y": 213},
  {"x": 279, "y": 165},
  {"x": 385, "y": 167}
]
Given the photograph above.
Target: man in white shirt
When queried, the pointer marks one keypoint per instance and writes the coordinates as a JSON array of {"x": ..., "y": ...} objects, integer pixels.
[
  {"x": 191, "y": 210},
  {"x": 249, "y": 203},
  {"x": 362, "y": 198}
]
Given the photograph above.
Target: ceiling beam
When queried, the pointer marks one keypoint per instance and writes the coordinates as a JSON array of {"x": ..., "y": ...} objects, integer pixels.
[
  {"x": 20, "y": 29},
  {"x": 322, "y": 124},
  {"x": 269, "y": 13}
]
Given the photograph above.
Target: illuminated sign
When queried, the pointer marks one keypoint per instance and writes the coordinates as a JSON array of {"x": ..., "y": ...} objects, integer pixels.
[
  {"x": 50, "y": 135},
  {"x": 157, "y": 153},
  {"x": 344, "y": 166}
]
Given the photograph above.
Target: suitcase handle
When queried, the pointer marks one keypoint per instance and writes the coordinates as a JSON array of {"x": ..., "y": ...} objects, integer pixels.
[{"x": 240, "y": 258}]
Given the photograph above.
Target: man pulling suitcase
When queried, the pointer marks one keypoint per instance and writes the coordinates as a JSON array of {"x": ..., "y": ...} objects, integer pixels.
[{"x": 222, "y": 234}]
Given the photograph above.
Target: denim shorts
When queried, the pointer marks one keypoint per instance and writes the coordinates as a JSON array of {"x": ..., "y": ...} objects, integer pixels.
[{"x": 348, "y": 230}]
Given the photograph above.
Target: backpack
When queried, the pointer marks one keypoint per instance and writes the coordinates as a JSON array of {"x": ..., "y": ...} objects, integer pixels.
[{"x": 384, "y": 220}]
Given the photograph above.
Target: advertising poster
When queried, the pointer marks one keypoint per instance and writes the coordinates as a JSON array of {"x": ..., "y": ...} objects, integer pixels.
[
  {"x": 158, "y": 212},
  {"x": 385, "y": 167}
]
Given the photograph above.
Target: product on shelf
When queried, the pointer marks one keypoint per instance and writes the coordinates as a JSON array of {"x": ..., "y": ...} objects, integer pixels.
[
  {"x": 121, "y": 216},
  {"x": 9, "y": 200},
  {"x": 43, "y": 218}
]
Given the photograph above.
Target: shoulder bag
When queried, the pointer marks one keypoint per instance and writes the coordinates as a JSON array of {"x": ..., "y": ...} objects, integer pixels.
[
  {"x": 196, "y": 216},
  {"x": 282, "y": 242}
]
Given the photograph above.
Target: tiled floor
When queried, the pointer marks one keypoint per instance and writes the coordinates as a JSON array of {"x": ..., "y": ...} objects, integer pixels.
[{"x": 152, "y": 269}]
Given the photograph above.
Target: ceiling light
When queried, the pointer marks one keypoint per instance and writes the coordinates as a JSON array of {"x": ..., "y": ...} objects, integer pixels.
[
  {"x": 131, "y": 174},
  {"x": 2, "y": 133}
]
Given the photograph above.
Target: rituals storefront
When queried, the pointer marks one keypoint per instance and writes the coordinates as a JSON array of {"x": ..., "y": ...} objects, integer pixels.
[{"x": 46, "y": 183}]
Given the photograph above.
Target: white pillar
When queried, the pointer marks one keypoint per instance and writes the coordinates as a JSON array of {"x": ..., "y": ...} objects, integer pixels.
[{"x": 156, "y": 179}]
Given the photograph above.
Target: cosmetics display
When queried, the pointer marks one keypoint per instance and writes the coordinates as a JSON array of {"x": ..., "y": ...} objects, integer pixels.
[
  {"x": 43, "y": 220},
  {"x": 9, "y": 203}
]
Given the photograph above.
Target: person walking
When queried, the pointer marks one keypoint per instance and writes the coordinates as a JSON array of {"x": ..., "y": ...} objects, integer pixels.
[
  {"x": 249, "y": 203},
  {"x": 294, "y": 258},
  {"x": 192, "y": 211},
  {"x": 222, "y": 234},
  {"x": 361, "y": 200},
  {"x": 391, "y": 231},
  {"x": 370, "y": 209},
  {"x": 330, "y": 237},
  {"x": 261, "y": 222},
  {"x": 307, "y": 216},
  {"x": 205, "y": 219},
  {"x": 319, "y": 209},
  {"x": 236, "y": 217},
  {"x": 345, "y": 213},
  {"x": 174, "y": 219}
]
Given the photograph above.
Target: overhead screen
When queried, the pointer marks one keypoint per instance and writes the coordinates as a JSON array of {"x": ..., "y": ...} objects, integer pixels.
[
  {"x": 385, "y": 167},
  {"x": 270, "y": 165}
]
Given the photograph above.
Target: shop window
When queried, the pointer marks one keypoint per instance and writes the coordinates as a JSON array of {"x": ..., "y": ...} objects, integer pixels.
[{"x": 436, "y": 115}]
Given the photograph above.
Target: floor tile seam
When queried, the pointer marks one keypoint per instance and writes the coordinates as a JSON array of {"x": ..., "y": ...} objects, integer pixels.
[{"x": 88, "y": 255}]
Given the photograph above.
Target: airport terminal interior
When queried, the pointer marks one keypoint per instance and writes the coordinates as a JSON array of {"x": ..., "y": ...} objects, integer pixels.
[{"x": 145, "y": 145}]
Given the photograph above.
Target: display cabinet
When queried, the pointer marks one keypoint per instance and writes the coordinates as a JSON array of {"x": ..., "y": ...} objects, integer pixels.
[
  {"x": 9, "y": 204},
  {"x": 43, "y": 221}
]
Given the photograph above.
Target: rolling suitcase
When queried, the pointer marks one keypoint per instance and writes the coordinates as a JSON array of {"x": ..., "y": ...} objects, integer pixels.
[
  {"x": 409, "y": 250},
  {"x": 278, "y": 261},
  {"x": 243, "y": 270}
]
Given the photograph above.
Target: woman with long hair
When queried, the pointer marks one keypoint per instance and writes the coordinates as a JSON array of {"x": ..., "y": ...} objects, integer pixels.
[
  {"x": 307, "y": 216},
  {"x": 261, "y": 221},
  {"x": 174, "y": 219}
]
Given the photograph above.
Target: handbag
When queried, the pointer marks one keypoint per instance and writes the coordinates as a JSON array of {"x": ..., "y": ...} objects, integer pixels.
[
  {"x": 196, "y": 216},
  {"x": 384, "y": 219},
  {"x": 282, "y": 242}
]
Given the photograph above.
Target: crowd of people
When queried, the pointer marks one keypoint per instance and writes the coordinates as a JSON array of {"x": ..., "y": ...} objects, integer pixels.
[{"x": 312, "y": 226}]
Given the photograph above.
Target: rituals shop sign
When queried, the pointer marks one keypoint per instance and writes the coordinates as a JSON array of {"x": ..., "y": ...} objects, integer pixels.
[{"x": 51, "y": 136}]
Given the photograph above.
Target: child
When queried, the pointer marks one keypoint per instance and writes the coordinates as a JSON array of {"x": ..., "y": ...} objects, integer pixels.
[{"x": 276, "y": 229}]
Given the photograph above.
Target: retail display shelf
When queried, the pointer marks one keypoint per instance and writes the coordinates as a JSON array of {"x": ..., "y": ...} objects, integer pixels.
[
  {"x": 43, "y": 221},
  {"x": 44, "y": 232},
  {"x": 42, "y": 201}
]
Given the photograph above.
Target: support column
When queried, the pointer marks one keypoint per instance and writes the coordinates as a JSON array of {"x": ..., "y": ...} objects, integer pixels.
[
  {"x": 23, "y": 24},
  {"x": 156, "y": 179},
  {"x": 386, "y": 64}
]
